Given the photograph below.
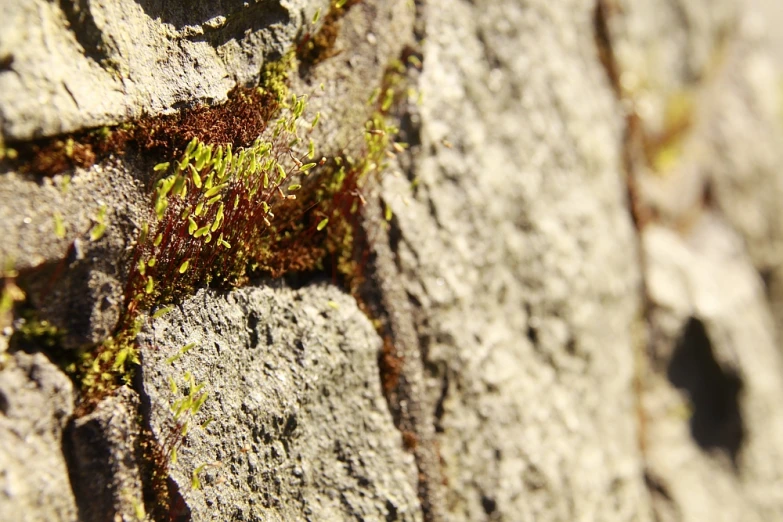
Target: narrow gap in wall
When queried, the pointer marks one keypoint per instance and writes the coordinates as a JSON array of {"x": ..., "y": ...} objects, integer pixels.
[
  {"x": 629, "y": 145},
  {"x": 163, "y": 500}
]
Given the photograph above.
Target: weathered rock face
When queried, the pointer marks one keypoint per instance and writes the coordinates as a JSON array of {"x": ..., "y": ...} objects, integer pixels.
[
  {"x": 584, "y": 232},
  {"x": 36, "y": 400},
  {"x": 711, "y": 385},
  {"x": 72, "y": 65},
  {"x": 528, "y": 318},
  {"x": 711, "y": 391},
  {"x": 300, "y": 427}
]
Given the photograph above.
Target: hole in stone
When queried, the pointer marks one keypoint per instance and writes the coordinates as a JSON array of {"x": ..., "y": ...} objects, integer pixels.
[
  {"x": 252, "y": 327},
  {"x": 716, "y": 422},
  {"x": 391, "y": 511},
  {"x": 489, "y": 504}
]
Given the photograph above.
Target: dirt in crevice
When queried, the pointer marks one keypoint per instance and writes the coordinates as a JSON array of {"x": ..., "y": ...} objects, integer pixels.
[
  {"x": 399, "y": 378},
  {"x": 163, "y": 500}
]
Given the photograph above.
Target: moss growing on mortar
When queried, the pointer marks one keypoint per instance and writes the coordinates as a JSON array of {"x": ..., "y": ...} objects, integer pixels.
[
  {"x": 242, "y": 191},
  {"x": 221, "y": 214},
  {"x": 237, "y": 122}
]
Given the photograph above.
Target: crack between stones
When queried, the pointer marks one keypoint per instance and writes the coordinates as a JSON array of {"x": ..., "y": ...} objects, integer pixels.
[
  {"x": 153, "y": 459},
  {"x": 402, "y": 362},
  {"x": 630, "y": 141}
]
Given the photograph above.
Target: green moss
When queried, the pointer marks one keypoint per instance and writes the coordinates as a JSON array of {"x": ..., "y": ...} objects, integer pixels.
[
  {"x": 7, "y": 152},
  {"x": 32, "y": 334},
  {"x": 36, "y": 335},
  {"x": 101, "y": 370},
  {"x": 274, "y": 78},
  {"x": 247, "y": 193},
  {"x": 207, "y": 183},
  {"x": 664, "y": 150},
  {"x": 10, "y": 294}
]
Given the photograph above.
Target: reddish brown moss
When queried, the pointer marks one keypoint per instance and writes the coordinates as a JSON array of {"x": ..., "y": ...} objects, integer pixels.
[
  {"x": 238, "y": 122},
  {"x": 390, "y": 367},
  {"x": 410, "y": 441}
]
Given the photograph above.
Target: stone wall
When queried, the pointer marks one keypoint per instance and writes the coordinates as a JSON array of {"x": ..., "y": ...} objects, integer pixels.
[{"x": 566, "y": 290}]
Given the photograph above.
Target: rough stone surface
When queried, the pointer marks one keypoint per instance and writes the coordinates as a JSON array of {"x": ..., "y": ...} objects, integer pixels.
[
  {"x": 71, "y": 65},
  {"x": 103, "y": 448},
  {"x": 36, "y": 400},
  {"x": 68, "y": 271},
  {"x": 730, "y": 155},
  {"x": 371, "y": 35},
  {"x": 527, "y": 320},
  {"x": 710, "y": 425},
  {"x": 301, "y": 430}
]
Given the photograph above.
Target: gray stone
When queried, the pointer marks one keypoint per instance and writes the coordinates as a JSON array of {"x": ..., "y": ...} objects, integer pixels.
[
  {"x": 371, "y": 35},
  {"x": 300, "y": 429},
  {"x": 103, "y": 448},
  {"x": 74, "y": 282},
  {"x": 518, "y": 248},
  {"x": 30, "y": 207},
  {"x": 36, "y": 401},
  {"x": 574, "y": 373},
  {"x": 710, "y": 429},
  {"x": 89, "y": 63},
  {"x": 772, "y": 14},
  {"x": 729, "y": 154},
  {"x": 68, "y": 271}
]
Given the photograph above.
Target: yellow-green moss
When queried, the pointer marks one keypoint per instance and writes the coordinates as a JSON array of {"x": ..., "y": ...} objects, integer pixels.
[{"x": 274, "y": 77}]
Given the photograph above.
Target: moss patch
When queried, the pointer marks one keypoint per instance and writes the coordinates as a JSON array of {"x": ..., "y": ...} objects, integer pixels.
[
  {"x": 237, "y": 122},
  {"x": 242, "y": 191}
]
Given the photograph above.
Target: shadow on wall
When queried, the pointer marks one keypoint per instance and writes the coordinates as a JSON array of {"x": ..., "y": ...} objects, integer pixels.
[
  {"x": 716, "y": 422},
  {"x": 238, "y": 17},
  {"x": 219, "y": 20},
  {"x": 198, "y": 12}
]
